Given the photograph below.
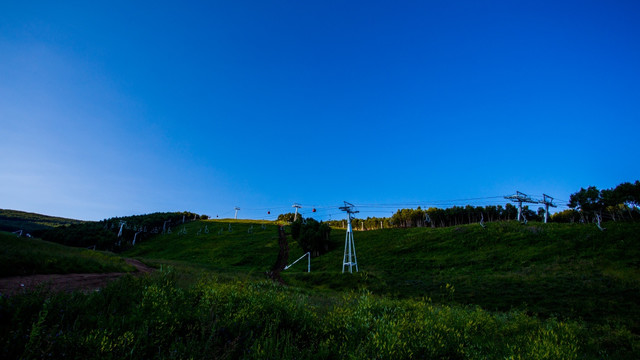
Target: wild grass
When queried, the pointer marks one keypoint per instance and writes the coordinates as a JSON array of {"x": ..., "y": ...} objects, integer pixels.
[
  {"x": 570, "y": 271},
  {"x": 230, "y": 245},
  {"x": 28, "y": 256},
  {"x": 262, "y": 320},
  {"x": 564, "y": 270}
]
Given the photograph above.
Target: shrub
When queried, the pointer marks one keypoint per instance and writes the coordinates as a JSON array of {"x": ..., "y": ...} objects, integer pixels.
[{"x": 152, "y": 317}]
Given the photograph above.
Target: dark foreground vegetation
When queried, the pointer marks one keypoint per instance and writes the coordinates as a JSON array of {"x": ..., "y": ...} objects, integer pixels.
[{"x": 168, "y": 316}]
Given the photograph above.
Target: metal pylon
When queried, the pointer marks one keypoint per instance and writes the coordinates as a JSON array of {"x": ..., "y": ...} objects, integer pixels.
[
  {"x": 547, "y": 201},
  {"x": 521, "y": 198},
  {"x": 349, "y": 259},
  {"x": 297, "y": 206}
]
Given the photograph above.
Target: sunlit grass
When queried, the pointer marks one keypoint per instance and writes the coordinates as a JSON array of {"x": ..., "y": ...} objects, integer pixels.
[{"x": 27, "y": 256}]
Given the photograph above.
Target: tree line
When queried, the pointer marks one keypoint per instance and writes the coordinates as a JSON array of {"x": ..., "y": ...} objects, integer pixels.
[
  {"x": 437, "y": 217},
  {"x": 617, "y": 204},
  {"x": 103, "y": 235}
]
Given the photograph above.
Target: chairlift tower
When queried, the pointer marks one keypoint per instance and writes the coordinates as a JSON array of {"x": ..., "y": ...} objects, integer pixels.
[
  {"x": 135, "y": 236},
  {"x": 297, "y": 206},
  {"x": 236, "y": 208},
  {"x": 521, "y": 198},
  {"x": 122, "y": 224},
  {"x": 349, "y": 259},
  {"x": 547, "y": 201}
]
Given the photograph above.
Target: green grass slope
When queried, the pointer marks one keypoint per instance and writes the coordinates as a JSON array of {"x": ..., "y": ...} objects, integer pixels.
[
  {"x": 12, "y": 220},
  {"x": 156, "y": 317},
  {"x": 566, "y": 270},
  {"x": 248, "y": 247},
  {"x": 29, "y": 256},
  {"x": 414, "y": 297}
]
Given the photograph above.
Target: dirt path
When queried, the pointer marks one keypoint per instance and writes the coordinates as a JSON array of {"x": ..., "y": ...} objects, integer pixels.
[{"x": 66, "y": 282}]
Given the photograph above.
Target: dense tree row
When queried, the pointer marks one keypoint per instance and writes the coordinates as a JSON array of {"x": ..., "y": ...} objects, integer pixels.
[
  {"x": 436, "y": 217},
  {"x": 87, "y": 234},
  {"x": 103, "y": 235},
  {"x": 153, "y": 222},
  {"x": 619, "y": 203}
]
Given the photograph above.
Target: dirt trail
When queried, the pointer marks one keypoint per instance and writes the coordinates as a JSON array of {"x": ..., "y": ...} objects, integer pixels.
[{"x": 66, "y": 282}]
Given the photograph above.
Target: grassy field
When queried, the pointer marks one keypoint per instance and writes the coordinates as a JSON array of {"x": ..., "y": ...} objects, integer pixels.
[
  {"x": 208, "y": 319},
  {"x": 554, "y": 291},
  {"x": 12, "y": 220},
  {"x": 573, "y": 271},
  {"x": 238, "y": 250},
  {"x": 564, "y": 270},
  {"x": 28, "y": 256}
]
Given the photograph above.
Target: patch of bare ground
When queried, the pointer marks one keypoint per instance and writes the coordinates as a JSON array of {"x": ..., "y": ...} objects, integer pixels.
[{"x": 66, "y": 282}]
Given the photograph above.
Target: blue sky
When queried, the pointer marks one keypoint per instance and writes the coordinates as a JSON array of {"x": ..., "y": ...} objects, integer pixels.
[{"x": 119, "y": 108}]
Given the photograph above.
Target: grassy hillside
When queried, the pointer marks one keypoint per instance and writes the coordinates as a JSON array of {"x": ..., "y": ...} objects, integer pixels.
[
  {"x": 28, "y": 256},
  {"x": 566, "y": 270},
  {"x": 240, "y": 249},
  {"x": 12, "y": 220},
  {"x": 415, "y": 296},
  {"x": 157, "y": 318}
]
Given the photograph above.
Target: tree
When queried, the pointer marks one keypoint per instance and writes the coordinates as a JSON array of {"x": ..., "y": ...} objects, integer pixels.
[
  {"x": 510, "y": 211},
  {"x": 628, "y": 193},
  {"x": 296, "y": 229},
  {"x": 625, "y": 196},
  {"x": 529, "y": 214},
  {"x": 288, "y": 217},
  {"x": 566, "y": 216},
  {"x": 588, "y": 199},
  {"x": 313, "y": 236}
]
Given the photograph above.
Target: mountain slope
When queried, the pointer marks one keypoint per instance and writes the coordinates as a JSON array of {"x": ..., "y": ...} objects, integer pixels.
[
  {"x": 13, "y": 220},
  {"x": 28, "y": 256},
  {"x": 567, "y": 270}
]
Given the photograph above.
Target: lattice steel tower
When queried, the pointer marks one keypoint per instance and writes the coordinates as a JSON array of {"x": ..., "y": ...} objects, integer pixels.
[
  {"x": 521, "y": 198},
  {"x": 547, "y": 201},
  {"x": 349, "y": 259}
]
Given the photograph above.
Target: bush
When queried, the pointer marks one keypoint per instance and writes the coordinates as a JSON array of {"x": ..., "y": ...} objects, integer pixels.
[
  {"x": 153, "y": 317},
  {"x": 313, "y": 236}
]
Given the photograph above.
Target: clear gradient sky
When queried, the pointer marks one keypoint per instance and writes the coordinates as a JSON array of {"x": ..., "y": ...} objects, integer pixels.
[{"x": 114, "y": 108}]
